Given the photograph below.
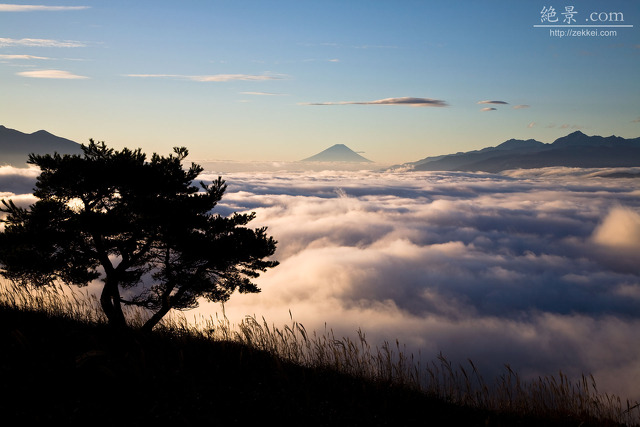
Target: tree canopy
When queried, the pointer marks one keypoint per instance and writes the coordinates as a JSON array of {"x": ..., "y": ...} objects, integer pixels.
[{"x": 140, "y": 226}]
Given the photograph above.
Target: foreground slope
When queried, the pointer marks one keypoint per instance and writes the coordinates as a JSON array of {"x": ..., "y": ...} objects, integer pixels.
[{"x": 58, "y": 370}]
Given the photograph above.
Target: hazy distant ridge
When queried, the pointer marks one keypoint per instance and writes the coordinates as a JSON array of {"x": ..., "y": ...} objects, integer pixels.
[
  {"x": 15, "y": 146},
  {"x": 573, "y": 150}
]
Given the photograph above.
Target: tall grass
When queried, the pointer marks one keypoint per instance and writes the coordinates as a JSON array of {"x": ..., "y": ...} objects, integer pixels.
[{"x": 555, "y": 396}]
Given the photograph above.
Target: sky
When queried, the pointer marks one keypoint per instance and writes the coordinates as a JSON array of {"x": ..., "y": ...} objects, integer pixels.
[{"x": 278, "y": 80}]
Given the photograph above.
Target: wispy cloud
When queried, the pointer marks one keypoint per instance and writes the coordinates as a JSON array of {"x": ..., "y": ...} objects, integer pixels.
[
  {"x": 211, "y": 78},
  {"x": 343, "y": 46},
  {"x": 22, "y": 57},
  {"x": 521, "y": 106},
  {"x": 488, "y": 109},
  {"x": 37, "y": 8},
  {"x": 51, "y": 74},
  {"x": 492, "y": 102},
  {"x": 263, "y": 93},
  {"x": 7, "y": 42},
  {"x": 413, "y": 102},
  {"x": 636, "y": 120}
]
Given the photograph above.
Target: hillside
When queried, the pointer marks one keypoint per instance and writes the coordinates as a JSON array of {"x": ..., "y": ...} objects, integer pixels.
[
  {"x": 573, "y": 150},
  {"x": 15, "y": 146},
  {"x": 55, "y": 369},
  {"x": 337, "y": 153}
]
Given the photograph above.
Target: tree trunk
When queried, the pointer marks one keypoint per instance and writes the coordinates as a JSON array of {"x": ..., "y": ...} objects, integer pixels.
[
  {"x": 110, "y": 302},
  {"x": 168, "y": 301},
  {"x": 155, "y": 319}
]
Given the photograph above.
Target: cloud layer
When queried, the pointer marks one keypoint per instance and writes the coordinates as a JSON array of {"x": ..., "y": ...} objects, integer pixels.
[
  {"x": 532, "y": 268},
  {"x": 529, "y": 268},
  {"x": 413, "y": 102}
]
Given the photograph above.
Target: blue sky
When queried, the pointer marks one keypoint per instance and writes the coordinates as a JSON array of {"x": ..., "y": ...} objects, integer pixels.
[{"x": 283, "y": 80}]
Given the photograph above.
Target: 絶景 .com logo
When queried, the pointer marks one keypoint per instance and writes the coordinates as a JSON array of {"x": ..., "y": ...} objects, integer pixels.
[
  {"x": 571, "y": 22},
  {"x": 570, "y": 15}
]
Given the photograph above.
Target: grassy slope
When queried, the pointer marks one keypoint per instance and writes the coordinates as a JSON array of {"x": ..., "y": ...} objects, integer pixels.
[{"x": 54, "y": 369}]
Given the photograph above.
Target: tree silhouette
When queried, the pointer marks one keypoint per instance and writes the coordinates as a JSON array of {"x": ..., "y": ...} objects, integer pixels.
[{"x": 139, "y": 226}]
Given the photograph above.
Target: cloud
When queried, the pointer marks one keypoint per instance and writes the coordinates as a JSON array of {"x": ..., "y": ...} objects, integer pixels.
[
  {"x": 620, "y": 229},
  {"x": 521, "y": 106},
  {"x": 211, "y": 78},
  {"x": 488, "y": 109},
  {"x": 17, "y": 180},
  {"x": 51, "y": 74},
  {"x": 263, "y": 93},
  {"x": 531, "y": 124},
  {"x": 528, "y": 267},
  {"x": 492, "y": 102},
  {"x": 37, "y": 8},
  {"x": 7, "y": 42},
  {"x": 564, "y": 126},
  {"x": 22, "y": 57},
  {"x": 636, "y": 120},
  {"x": 413, "y": 102},
  {"x": 496, "y": 268}
]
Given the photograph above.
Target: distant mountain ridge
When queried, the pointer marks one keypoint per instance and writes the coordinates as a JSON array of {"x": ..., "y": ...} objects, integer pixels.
[
  {"x": 15, "y": 146},
  {"x": 573, "y": 150},
  {"x": 337, "y": 153}
]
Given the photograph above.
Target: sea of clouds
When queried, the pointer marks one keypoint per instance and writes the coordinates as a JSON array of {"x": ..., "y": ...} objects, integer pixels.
[{"x": 538, "y": 269}]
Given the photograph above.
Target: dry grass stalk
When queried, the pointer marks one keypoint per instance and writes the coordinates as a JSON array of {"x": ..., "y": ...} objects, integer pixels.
[{"x": 546, "y": 396}]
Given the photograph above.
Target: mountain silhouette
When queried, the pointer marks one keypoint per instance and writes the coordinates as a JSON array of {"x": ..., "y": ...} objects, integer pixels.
[
  {"x": 15, "y": 146},
  {"x": 337, "y": 153},
  {"x": 573, "y": 150}
]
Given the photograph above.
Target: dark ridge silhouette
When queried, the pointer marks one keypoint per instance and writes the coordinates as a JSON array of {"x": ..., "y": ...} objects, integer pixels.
[
  {"x": 57, "y": 370},
  {"x": 337, "y": 153},
  {"x": 15, "y": 146},
  {"x": 573, "y": 150}
]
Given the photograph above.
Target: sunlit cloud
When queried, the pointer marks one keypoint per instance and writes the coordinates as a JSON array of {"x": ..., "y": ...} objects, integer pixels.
[
  {"x": 514, "y": 268},
  {"x": 492, "y": 102},
  {"x": 636, "y": 120},
  {"x": 11, "y": 57},
  {"x": 211, "y": 78},
  {"x": 619, "y": 229},
  {"x": 51, "y": 74},
  {"x": 413, "y": 102},
  {"x": 37, "y": 8},
  {"x": 7, "y": 42},
  {"x": 521, "y": 106},
  {"x": 263, "y": 93},
  {"x": 488, "y": 109},
  {"x": 531, "y": 124}
]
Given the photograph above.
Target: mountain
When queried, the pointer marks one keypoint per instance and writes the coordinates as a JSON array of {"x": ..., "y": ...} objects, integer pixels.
[
  {"x": 16, "y": 146},
  {"x": 337, "y": 153},
  {"x": 573, "y": 150}
]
